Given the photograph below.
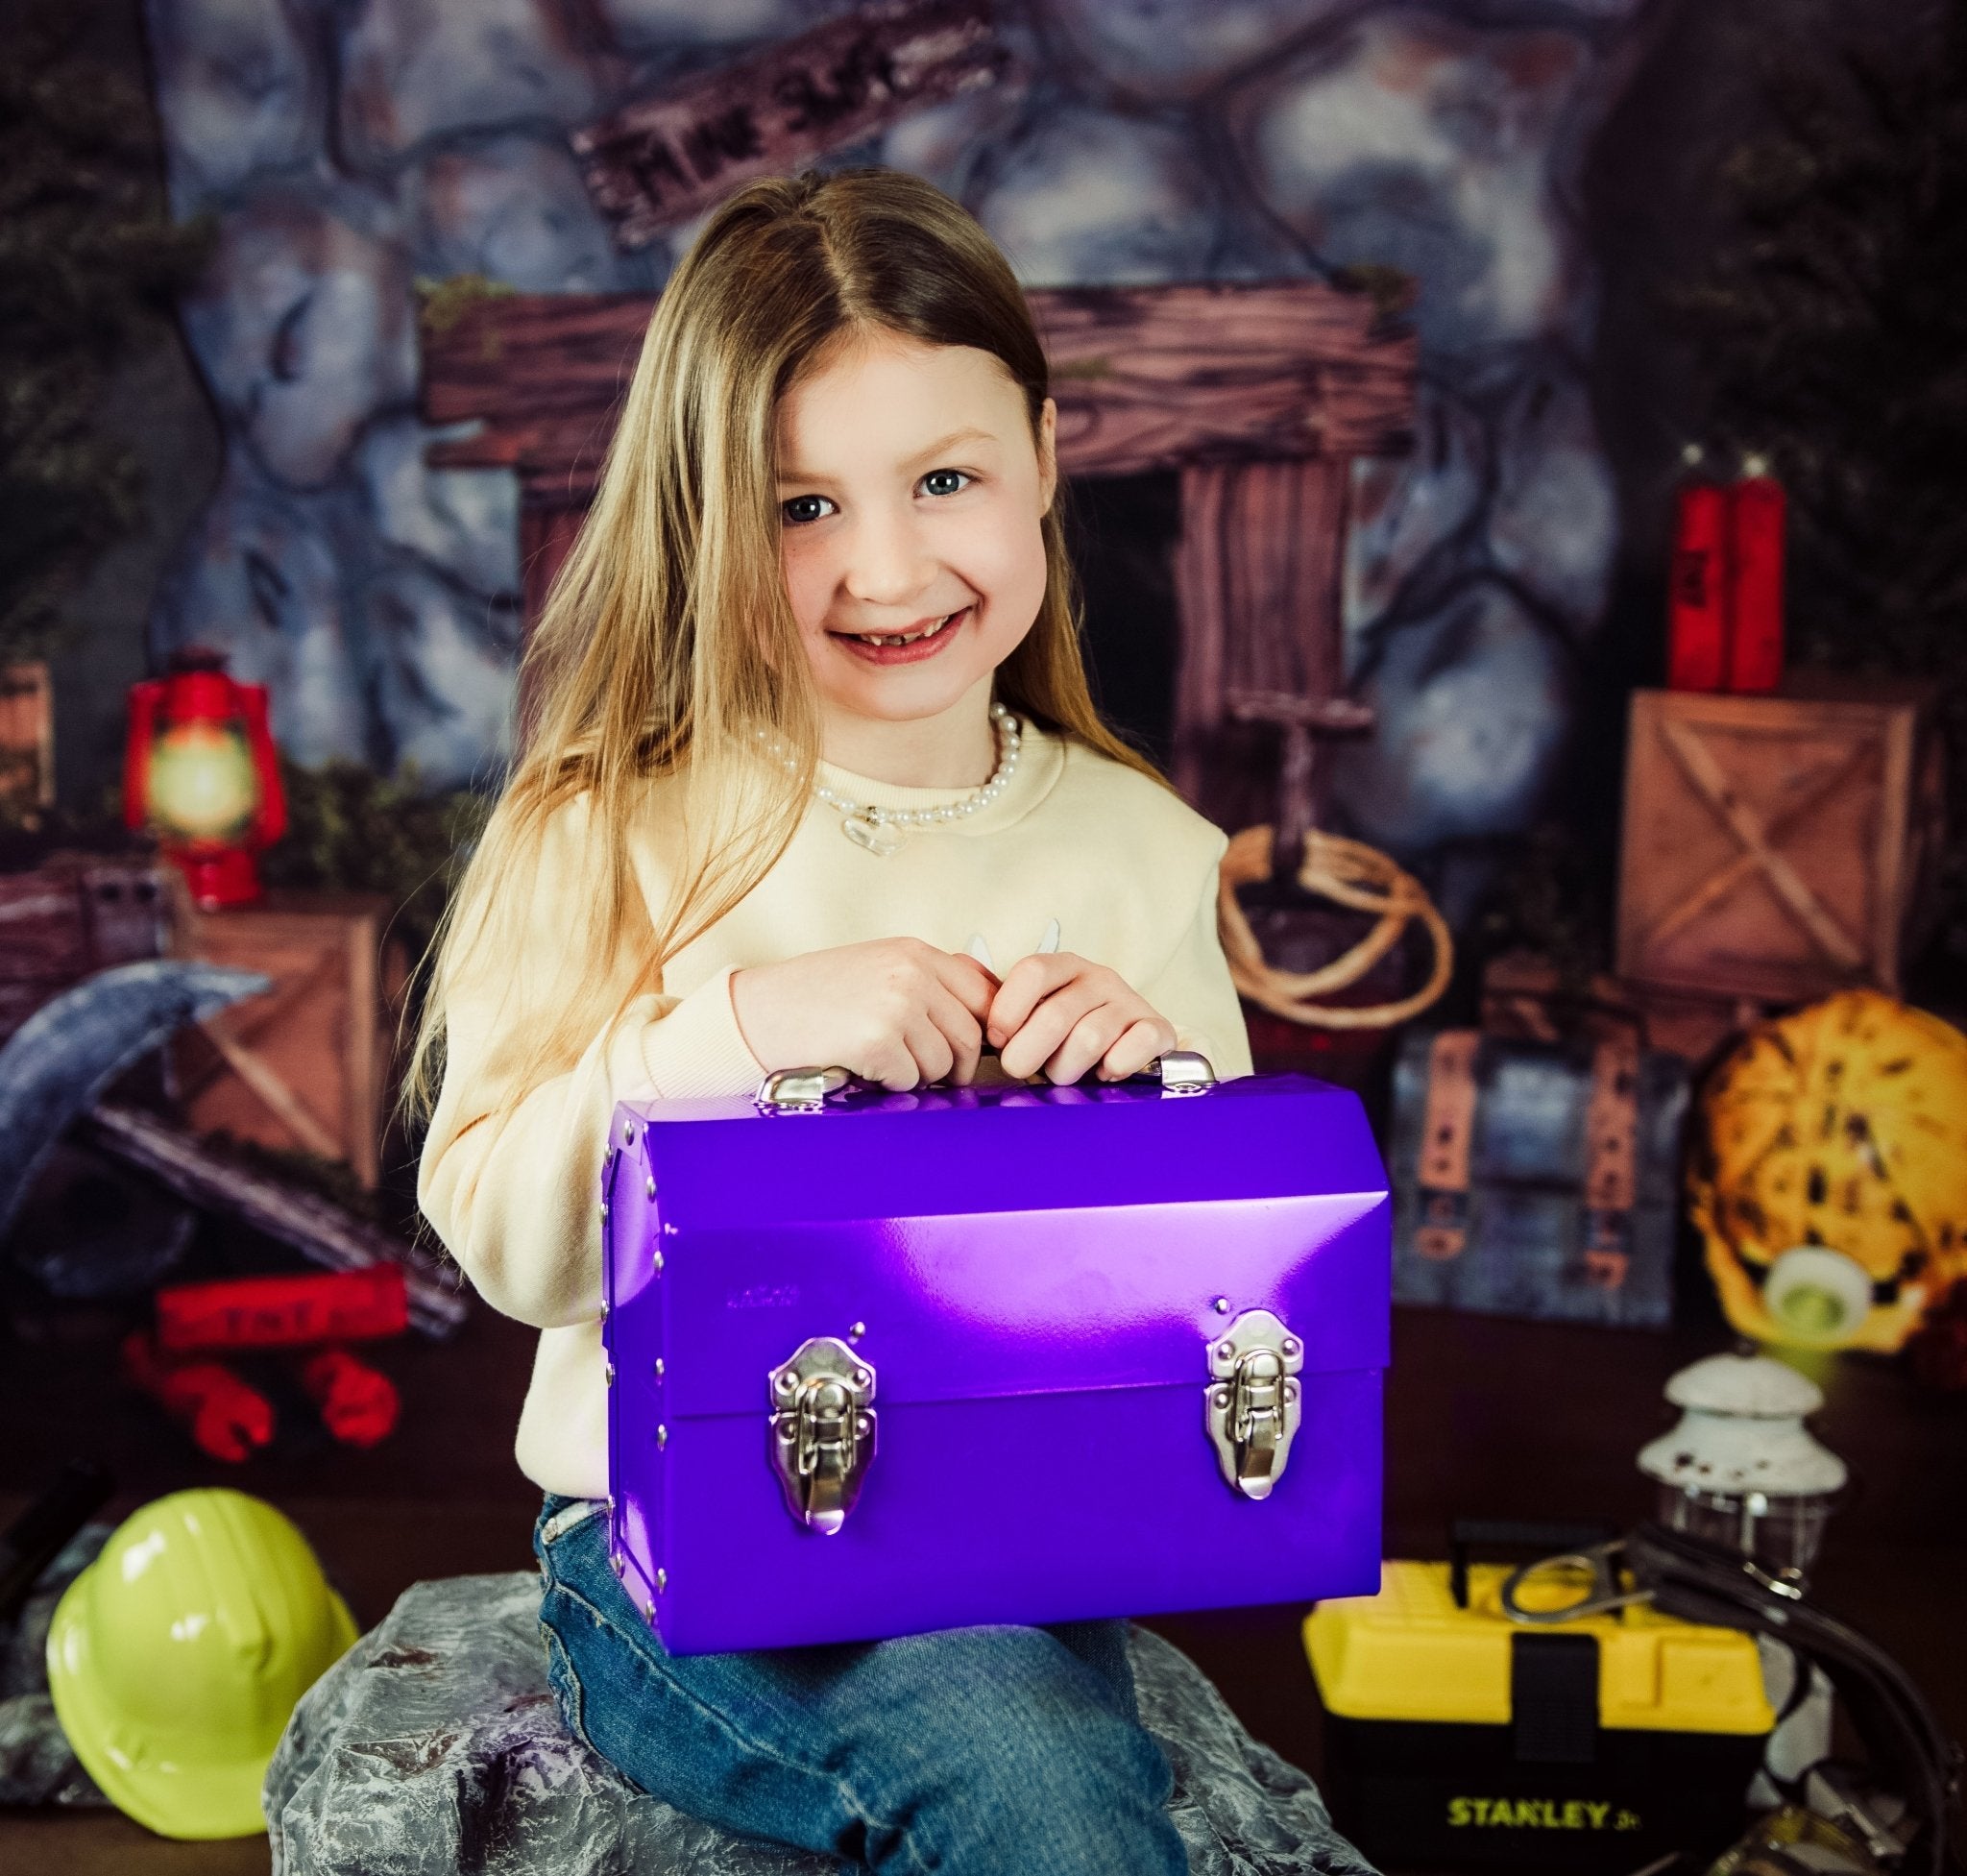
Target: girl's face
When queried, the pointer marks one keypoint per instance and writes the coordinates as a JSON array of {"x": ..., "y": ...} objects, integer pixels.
[{"x": 911, "y": 493}]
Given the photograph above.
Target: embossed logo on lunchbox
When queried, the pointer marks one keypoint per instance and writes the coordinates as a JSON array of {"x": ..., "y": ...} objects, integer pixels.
[{"x": 764, "y": 1296}]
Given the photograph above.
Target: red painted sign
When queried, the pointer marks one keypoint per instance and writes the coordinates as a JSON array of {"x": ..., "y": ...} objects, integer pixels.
[{"x": 282, "y": 1312}]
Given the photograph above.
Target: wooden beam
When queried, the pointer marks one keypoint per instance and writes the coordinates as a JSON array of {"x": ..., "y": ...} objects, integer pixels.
[
  {"x": 314, "y": 1226},
  {"x": 1145, "y": 379},
  {"x": 1257, "y": 579},
  {"x": 665, "y": 158}
]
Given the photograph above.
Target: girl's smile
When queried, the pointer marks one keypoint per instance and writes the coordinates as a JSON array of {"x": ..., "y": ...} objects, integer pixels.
[
  {"x": 919, "y": 641},
  {"x": 912, "y": 492}
]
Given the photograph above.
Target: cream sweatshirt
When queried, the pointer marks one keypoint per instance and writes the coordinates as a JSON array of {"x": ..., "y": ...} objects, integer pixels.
[{"x": 510, "y": 1177}]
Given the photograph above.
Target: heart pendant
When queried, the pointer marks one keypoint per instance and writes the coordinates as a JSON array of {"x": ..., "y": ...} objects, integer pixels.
[{"x": 864, "y": 831}]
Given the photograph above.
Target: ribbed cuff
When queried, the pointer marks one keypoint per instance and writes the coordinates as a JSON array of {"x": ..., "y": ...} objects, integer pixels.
[{"x": 696, "y": 1050}]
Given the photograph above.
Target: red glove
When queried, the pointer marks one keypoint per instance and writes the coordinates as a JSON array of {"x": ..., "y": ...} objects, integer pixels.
[
  {"x": 358, "y": 1405},
  {"x": 221, "y": 1413}
]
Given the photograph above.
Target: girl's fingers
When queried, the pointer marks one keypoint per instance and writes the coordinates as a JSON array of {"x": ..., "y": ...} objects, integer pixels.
[
  {"x": 968, "y": 982},
  {"x": 1025, "y": 984},
  {"x": 1041, "y": 1034},
  {"x": 931, "y": 1049},
  {"x": 962, "y": 1030},
  {"x": 1143, "y": 1042},
  {"x": 1087, "y": 1044}
]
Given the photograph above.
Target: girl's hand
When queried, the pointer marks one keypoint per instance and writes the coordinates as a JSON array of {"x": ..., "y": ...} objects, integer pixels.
[
  {"x": 893, "y": 1011},
  {"x": 1065, "y": 1014}
]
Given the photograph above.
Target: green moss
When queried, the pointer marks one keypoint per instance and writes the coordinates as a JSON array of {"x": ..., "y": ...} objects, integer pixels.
[{"x": 350, "y": 830}]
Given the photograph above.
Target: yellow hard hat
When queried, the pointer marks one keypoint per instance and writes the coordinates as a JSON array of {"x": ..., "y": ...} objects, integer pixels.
[
  {"x": 1831, "y": 1183},
  {"x": 176, "y": 1657}
]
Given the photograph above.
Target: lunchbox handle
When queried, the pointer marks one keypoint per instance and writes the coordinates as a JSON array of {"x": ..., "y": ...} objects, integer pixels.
[{"x": 804, "y": 1090}]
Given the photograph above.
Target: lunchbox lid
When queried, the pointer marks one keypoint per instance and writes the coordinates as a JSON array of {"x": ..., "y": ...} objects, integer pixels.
[
  {"x": 1003, "y": 1240},
  {"x": 870, "y": 1153},
  {"x": 1410, "y": 1653}
]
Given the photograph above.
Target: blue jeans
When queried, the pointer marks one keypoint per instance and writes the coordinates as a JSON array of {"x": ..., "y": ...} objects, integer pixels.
[{"x": 968, "y": 1753}]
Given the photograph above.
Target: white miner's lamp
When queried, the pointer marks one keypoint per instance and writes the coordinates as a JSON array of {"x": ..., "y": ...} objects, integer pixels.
[{"x": 1742, "y": 1469}]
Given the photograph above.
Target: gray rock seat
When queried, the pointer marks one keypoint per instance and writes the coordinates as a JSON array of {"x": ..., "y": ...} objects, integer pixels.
[{"x": 434, "y": 1746}]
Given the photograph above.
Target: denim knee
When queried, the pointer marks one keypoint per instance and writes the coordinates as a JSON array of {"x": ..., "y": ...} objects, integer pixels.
[{"x": 1044, "y": 1772}]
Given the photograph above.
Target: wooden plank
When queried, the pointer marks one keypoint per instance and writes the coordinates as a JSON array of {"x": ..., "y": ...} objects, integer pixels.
[
  {"x": 317, "y": 1227},
  {"x": 1145, "y": 377},
  {"x": 545, "y": 538},
  {"x": 1258, "y": 578},
  {"x": 671, "y": 155},
  {"x": 27, "y": 740},
  {"x": 1153, "y": 377},
  {"x": 72, "y": 915}
]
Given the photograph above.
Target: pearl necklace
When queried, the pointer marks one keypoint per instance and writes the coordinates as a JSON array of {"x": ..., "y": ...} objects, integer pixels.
[{"x": 881, "y": 830}]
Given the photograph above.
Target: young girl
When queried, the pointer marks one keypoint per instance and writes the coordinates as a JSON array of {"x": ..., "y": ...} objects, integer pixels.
[{"x": 813, "y": 777}]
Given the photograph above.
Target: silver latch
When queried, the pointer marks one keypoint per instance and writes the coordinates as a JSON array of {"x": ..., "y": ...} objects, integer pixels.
[
  {"x": 799, "y": 1090},
  {"x": 1184, "y": 1072},
  {"x": 1253, "y": 1401},
  {"x": 823, "y": 1430}
]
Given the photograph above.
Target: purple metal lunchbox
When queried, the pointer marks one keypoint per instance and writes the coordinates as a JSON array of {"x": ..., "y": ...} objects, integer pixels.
[{"x": 886, "y": 1363}]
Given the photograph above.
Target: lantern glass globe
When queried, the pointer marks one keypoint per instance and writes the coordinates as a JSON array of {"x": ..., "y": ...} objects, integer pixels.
[{"x": 201, "y": 784}]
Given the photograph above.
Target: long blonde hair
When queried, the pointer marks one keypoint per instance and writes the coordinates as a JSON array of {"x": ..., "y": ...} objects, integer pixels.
[{"x": 667, "y": 643}]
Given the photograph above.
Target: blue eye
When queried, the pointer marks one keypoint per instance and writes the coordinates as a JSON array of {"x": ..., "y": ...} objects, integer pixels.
[
  {"x": 946, "y": 481},
  {"x": 803, "y": 508}
]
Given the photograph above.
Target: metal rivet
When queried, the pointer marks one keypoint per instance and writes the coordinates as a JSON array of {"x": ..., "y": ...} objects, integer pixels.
[
  {"x": 668, "y": 1231},
  {"x": 604, "y": 1208},
  {"x": 649, "y": 1186},
  {"x": 1290, "y": 1345},
  {"x": 610, "y": 1504},
  {"x": 861, "y": 1377},
  {"x": 659, "y": 1263},
  {"x": 785, "y": 1384},
  {"x": 662, "y": 1579},
  {"x": 1222, "y": 1305},
  {"x": 658, "y": 1368},
  {"x": 662, "y": 1436},
  {"x": 608, "y": 1373},
  {"x": 1226, "y": 1350},
  {"x": 627, "y": 1133},
  {"x": 604, "y": 1309},
  {"x": 615, "y": 1558},
  {"x": 854, "y": 1333},
  {"x": 1222, "y": 1397},
  {"x": 648, "y": 1611}
]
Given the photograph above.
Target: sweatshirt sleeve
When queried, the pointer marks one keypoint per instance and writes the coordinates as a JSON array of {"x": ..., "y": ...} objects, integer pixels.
[
  {"x": 1193, "y": 989},
  {"x": 510, "y": 1174}
]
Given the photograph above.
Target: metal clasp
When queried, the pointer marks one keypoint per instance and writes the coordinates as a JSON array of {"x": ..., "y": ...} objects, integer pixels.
[
  {"x": 1251, "y": 1402},
  {"x": 799, "y": 1090},
  {"x": 823, "y": 1430},
  {"x": 1183, "y": 1071}
]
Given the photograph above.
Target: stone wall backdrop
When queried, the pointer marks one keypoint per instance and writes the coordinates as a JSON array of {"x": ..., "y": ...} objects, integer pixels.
[{"x": 352, "y": 149}]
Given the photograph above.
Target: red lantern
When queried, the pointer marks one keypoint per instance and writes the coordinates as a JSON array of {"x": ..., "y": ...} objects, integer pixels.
[{"x": 200, "y": 771}]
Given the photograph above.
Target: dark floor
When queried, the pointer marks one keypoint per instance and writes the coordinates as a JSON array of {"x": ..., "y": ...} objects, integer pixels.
[{"x": 1485, "y": 1418}]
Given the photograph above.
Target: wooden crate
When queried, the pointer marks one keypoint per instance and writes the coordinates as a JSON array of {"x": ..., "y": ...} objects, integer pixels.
[
  {"x": 27, "y": 741},
  {"x": 1776, "y": 846},
  {"x": 75, "y": 914},
  {"x": 306, "y": 1066}
]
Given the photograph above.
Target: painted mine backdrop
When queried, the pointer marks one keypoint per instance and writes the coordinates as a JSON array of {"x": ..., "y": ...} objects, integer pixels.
[{"x": 354, "y": 153}]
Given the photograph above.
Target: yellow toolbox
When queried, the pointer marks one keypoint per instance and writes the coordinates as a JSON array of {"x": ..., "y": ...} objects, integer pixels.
[{"x": 1457, "y": 1739}]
